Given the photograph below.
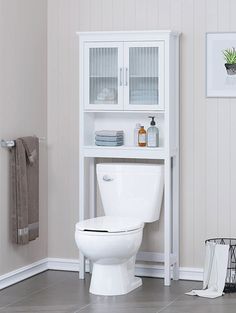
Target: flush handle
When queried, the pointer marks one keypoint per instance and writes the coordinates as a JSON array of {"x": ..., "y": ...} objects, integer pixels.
[{"x": 107, "y": 178}]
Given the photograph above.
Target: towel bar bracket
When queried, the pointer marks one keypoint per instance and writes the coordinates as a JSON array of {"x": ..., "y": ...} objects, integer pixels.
[{"x": 7, "y": 143}]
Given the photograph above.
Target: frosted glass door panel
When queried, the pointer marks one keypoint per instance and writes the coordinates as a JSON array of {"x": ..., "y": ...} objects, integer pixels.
[
  {"x": 104, "y": 75},
  {"x": 143, "y": 75}
]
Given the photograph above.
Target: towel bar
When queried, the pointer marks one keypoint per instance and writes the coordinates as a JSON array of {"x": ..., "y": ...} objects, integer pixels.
[{"x": 11, "y": 143}]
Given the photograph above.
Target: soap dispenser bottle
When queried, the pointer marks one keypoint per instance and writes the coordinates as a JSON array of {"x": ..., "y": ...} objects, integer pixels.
[{"x": 152, "y": 134}]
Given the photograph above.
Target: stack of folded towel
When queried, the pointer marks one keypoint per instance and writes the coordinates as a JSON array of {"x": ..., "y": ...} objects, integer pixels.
[
  {"x": 140, "y": 96},
  {"x": 109, "y": 138}
]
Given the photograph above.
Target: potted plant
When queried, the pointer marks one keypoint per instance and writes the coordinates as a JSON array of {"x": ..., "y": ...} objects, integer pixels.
[{"x": 230, "y": 58}]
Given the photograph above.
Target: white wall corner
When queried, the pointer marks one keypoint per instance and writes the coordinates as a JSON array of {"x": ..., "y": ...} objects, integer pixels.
[{"x": 22, "y": 273}]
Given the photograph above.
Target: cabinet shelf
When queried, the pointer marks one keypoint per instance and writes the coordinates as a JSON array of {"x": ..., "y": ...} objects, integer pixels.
[
  {"x": 125, "y": 111},
  {"x": 124, "y": 152},
  {"x": 143, "y": 76},
  {"x": 103, "y": 76},
  {"x": 131, "y": 76}
]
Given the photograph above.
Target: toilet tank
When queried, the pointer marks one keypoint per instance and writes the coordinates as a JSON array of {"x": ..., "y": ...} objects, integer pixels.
[{"x": 131, "y": 190}]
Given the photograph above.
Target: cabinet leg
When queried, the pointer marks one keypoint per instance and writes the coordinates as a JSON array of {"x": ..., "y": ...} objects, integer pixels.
[
  {"x": 176, "y": 216},
  {"x": 92, "y": 188},
  {"x": 176, "y": 270},
  {"x": 92, "y": 196},
  {"x": 90, "y": 267},
  {"x": 167, "y": 222},
  {"x": 81, "y": 214},
  {"x": 81, "y": 266}
]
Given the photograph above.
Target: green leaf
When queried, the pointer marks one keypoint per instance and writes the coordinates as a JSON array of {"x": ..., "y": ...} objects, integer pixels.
[{"x": 230, "y": 55}]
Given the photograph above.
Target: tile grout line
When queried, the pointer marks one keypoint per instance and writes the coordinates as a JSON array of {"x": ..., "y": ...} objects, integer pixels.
[
  {"x": 30, "y": 294},
  {"x": 85, "y": 306},
  {"x": 161, "y": 310},
  {"x": 169, "y": 304}
]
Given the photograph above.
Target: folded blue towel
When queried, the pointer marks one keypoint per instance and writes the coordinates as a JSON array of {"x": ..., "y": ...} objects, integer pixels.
[
  {"x": 111, "y": 138},
  {"x": 108, "y": 144}
]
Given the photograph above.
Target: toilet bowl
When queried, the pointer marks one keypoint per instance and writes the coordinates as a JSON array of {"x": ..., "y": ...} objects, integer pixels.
[
  {"x": 111, "y": 243},
  {"x": 131, "y": 196}
]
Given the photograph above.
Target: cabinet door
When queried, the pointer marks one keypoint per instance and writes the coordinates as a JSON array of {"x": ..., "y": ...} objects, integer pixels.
[
  {"x": 144, "y": 75},
  {"x": 103, "y": 75}
]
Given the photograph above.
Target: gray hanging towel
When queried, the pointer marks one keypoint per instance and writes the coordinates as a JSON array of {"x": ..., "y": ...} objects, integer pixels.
[{"x": 24, "y": 199}]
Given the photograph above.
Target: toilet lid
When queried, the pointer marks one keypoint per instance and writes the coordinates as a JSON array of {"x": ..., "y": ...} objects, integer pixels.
[{"x": 110, "y": 224}]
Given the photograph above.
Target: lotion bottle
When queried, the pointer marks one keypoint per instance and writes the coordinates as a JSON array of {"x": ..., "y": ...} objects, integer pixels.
[
  {"x": 152, "y": 134},
  {"x": 142, "y": 137}
]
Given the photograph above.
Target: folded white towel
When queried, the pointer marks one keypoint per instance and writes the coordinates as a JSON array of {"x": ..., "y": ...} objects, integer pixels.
[{"x": 215, "y": 270}]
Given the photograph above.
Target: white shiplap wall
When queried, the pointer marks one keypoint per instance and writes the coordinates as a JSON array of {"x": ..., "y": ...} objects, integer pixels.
[{"x": 208, "y": 126}]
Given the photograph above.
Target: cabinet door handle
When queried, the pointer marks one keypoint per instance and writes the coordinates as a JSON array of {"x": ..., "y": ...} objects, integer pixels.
[
  {"x": 121, "y": 72},
  {"x": 126, "y": 76}
]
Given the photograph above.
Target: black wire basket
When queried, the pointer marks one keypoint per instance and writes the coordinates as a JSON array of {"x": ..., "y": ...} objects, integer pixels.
[{"x": 230, "y": 282}]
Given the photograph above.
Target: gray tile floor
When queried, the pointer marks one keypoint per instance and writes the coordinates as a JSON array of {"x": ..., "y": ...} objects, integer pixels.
[{"x": 61, "y": 292}]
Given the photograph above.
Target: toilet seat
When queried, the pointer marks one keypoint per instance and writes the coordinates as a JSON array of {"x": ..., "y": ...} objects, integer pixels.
[{"x": 110, "y": 224}]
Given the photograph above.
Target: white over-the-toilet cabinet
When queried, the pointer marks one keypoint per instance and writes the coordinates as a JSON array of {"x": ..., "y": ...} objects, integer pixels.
[{"x": 124, "y": 77}]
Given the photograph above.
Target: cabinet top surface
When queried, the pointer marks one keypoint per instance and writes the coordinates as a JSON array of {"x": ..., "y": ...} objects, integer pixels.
[{"x": 144, "y": 32}]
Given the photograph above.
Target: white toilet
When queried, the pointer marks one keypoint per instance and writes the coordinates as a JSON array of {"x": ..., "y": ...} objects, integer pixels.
[{"x": 131, "y": 196}]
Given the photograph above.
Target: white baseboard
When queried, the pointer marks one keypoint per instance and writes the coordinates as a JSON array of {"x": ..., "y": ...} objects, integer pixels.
[
  {"x": 71, "y": 265},
  {"x": 22, "y": 273},
  {"x": 157, "y": 271},
  {"x": 142, "y": 269}
]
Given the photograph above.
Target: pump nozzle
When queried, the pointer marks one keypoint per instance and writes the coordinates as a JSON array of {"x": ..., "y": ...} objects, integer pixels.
[{"x": 153, "y": 123}]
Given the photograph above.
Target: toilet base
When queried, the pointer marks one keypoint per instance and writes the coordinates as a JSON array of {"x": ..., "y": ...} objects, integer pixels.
[{"x": 114, "y": 279}]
